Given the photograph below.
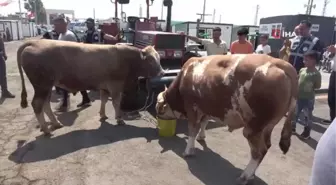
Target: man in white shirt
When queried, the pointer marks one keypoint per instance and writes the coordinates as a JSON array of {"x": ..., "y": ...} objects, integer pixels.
[
  {"x": 332, "y": 88},
  {"x": 263, "y": 47},
  {"x": 214, "y": 46},
  {"x": 61, "y": 27}
]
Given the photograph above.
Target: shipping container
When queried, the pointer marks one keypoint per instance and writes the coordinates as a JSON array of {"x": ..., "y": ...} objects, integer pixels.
[
  {"x": 189, "y": 28},
  {"x": 280, "y": 27}
]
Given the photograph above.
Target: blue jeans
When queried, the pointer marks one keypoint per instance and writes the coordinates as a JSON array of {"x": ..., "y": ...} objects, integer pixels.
[{"x": 308, "y": 105}]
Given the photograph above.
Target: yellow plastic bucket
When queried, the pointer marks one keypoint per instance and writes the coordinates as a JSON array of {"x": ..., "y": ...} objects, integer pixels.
[{"x": 167, "y": 128}]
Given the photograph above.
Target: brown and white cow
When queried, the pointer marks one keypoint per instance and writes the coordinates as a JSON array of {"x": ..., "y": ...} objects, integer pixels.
[
  {"x": 77, "y": 66},
  {"x": 250, "y": 91}
]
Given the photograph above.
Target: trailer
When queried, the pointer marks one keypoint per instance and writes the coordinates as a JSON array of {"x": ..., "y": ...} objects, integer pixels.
[
  {"x": 190, "y": 28},
  {"x": 280, "y": 27}
]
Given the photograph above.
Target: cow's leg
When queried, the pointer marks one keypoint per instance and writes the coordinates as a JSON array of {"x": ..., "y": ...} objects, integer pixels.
[
  {"x": 201, "y": 134},
  {"x": 47, "y": 109},
  {"x": 103, "y": 98},
  {"x": 116, "y": 90},
  {"x": 38, "y": 101},
  {"x": 193, "y": 129},
  {"x": 258, "y": 151}
]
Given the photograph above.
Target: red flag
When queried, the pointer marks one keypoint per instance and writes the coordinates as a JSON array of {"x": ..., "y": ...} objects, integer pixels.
[{"x": 5, "y": 3}]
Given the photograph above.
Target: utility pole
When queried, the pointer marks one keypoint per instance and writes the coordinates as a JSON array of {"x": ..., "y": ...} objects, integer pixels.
[
  {"x": 325, "y": 4},
  {"x": 256, "y": 15},
  {"x": 35, "y": 10},
  {"x": 220, "y": 19},
  {"x": 214, "y": 15},
  {"x": 162, "y": 10},
  {"x": 204, "y": 2},
  {"x": 20, "y": 10},
  {"x": 203, "y": 14},
  {"x": 310, "y": 5}
]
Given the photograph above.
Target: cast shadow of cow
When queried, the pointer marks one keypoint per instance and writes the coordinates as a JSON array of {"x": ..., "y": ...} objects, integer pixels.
[{"x": 208, "y": 166}]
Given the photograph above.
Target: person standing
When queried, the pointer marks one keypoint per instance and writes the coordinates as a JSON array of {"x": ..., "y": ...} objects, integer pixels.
[
  {"x": 309, "y": 80},
  {"x": 3, "y": 73},
  {"x": 53, "y": 35},
  {"x": 303, "y": 43},
  {"x": 332, "y": 86},
  {"x": 95, "y": 36},
  {"x": 61, "y": 25},
  {"x": 242, "y": 45},
  {"x": 263, "y": 47},
  {"x": 214, "y": 46}
]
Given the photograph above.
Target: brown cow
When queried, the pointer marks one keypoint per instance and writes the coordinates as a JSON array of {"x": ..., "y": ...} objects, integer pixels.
[
  {"x": 77, "y": 66},
  {"x": 252, "y": 91}
]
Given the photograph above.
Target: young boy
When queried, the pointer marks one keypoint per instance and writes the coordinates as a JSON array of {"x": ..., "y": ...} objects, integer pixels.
[
  {"x": 309, "y": 80},
  {"x": 263, "y": 47}
]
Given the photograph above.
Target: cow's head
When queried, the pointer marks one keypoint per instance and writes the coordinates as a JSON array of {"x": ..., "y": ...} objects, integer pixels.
[
  {"x": 163, "y": 109},
  {"x": 150, "y": 64}
]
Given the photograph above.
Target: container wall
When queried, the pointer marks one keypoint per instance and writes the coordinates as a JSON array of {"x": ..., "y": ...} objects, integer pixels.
[{"x": 277, "y": 28}]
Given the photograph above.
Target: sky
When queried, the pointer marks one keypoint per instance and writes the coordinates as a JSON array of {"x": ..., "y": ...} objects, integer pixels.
[{"x": 185, "y": 10}]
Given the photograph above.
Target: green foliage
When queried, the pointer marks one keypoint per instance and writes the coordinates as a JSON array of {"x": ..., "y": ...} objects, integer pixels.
[{"x": 29, "y": 5}]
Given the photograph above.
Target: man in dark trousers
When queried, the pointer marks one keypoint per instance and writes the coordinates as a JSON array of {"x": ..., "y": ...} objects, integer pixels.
[
  {"x": 61, "y": 27},
  {"x": 332, "y": 88},
  {"x": 3, "y": 79}
]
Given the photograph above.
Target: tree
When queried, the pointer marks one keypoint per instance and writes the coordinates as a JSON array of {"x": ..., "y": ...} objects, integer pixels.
[{"x": 40, "y": 12}]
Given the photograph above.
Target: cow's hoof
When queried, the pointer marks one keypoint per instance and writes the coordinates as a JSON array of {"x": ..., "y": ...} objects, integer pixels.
[
  {"x": 103, "y": 118},
  {"x": 121, "y": 122},
  {"x": 200, "y": 138},
  {"x": 55, "y": 126},
  {"x": 190, "y": 153}
]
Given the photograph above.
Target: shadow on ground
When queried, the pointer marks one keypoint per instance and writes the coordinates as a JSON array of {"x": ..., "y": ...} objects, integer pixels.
[
  {"x": 68, "y": 118},
  {"x": 207, "y": 166}
]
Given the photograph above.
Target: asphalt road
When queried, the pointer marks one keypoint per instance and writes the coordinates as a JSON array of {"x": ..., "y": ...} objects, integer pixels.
[{"x": 87, "y": 152}]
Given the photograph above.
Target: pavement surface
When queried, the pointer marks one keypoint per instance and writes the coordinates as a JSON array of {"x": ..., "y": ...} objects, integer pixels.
[{"x": 88, "y": 152}]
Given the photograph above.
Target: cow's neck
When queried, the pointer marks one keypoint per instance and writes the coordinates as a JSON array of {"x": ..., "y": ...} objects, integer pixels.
[{"x": 173, "y": 96}]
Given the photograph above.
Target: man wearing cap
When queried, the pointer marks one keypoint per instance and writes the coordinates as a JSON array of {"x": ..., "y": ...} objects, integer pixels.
[
  {"x": 61, "y": 27},
  {"x": 95, "y": 36}
]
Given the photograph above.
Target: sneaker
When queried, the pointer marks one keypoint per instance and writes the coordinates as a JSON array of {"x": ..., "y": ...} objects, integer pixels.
[
  {"x": 7, "y": 94},
  {"x": 306, "y": 133}
]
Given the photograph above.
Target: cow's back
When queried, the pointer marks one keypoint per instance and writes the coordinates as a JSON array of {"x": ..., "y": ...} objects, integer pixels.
[
  {"x": 72, "y": 63},
  {"x": 253, "y": 85}
]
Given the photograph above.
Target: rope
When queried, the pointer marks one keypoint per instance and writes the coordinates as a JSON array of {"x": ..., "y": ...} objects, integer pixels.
[{"x": 149, "y": 102}]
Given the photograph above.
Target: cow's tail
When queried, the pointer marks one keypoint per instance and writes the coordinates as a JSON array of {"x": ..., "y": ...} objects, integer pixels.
[
  {"x": 286, "y": 133},
  {"x": 24, "y": 102}
]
